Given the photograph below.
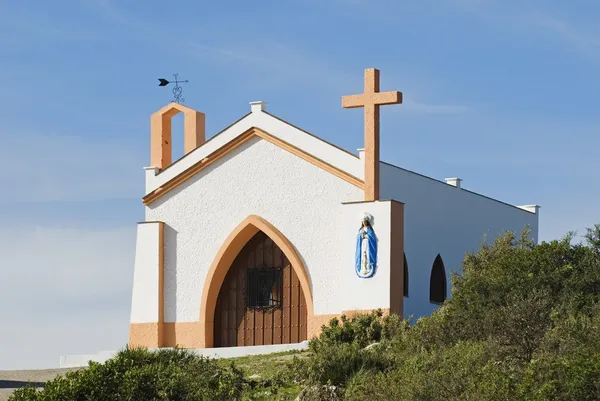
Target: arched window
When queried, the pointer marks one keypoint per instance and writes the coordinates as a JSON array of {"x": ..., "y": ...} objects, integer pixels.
[
  {"x": 437, "y": 282},
  {"x": 405, "y": 276}
]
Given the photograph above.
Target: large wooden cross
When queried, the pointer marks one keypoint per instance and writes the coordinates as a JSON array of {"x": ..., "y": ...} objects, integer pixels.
[{"x": 371, "y": 99}]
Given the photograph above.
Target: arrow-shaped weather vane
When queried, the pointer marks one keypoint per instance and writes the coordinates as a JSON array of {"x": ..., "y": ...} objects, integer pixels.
[{"x": 176, "y": 89}]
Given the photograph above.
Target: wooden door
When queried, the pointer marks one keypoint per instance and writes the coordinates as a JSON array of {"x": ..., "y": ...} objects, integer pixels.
[{"x": 261, "y": 301}]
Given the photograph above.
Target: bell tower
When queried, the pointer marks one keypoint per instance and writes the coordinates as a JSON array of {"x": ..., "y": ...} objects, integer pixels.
[{"x": 194, "y": 133}]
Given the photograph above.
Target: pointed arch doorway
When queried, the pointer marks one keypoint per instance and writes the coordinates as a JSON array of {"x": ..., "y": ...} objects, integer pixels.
[
  {"x": 261, "y": 301},
  {"x": 257, "y": 291}
]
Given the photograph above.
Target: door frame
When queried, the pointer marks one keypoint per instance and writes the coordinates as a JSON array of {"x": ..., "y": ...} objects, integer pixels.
[{"x": 232, "y": 246}]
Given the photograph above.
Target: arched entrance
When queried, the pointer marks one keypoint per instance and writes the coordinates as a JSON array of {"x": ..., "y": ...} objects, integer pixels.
[
  {"x": 224, "y": 260},
  {"x": 260, "y": 301}
]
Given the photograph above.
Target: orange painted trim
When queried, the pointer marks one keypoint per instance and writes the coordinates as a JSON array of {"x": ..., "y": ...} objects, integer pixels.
[
  {"x": 397, "y": 258},
  {"x": 144, "y": 335},
  {"x": 228, "y": 252},
  {"x": 191, "y": 334},
  {"x": 233, "y": 144},
  {"x": 183, "y": 335},
  {"x": 161, "y": 283}
]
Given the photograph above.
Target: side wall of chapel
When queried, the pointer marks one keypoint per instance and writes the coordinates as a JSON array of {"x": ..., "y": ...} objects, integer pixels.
[{"x": 446, "y": 220}]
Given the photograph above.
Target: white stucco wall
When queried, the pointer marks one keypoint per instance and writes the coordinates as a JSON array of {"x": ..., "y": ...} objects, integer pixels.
[
  {"x": 258, "y": 178},
  {"x": 440, "y": 218},
  {"x": 144, "y": 300}
]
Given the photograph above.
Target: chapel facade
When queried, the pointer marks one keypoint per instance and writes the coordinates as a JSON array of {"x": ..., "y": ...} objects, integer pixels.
[{"x": 263, "y": 233}]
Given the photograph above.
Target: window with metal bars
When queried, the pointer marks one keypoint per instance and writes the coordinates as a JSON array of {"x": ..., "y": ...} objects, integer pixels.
[{"x": 264, "y": 288}]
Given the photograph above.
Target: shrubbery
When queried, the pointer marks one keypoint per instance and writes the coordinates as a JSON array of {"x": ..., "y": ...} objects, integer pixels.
[
  {"x": 523, "y": 323},
  {"x": 141, "y": 375}
]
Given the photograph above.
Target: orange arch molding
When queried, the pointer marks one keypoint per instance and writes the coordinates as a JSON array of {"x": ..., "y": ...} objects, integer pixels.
[{"x": 225, "y": 257}]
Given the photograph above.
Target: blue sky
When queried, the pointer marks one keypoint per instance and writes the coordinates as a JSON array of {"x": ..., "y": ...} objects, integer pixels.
[{"x": 501, "y": 93}]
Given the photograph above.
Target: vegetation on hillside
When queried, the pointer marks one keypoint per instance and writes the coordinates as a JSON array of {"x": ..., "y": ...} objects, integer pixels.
[{"x": 523, "y": 323}]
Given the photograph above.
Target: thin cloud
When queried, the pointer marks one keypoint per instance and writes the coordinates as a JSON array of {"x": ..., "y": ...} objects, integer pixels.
[
  {"x": 512, "y": 143},
  {"x": 511, "y": 15},
  {"x": 67, "y": 168},
  {"x": 414, "y": 107},
  {"x": 289, "y": 65},
  {"x": 585, "y": 42},
  {"x": 69, "y": 292},
  {"x": 66, "y": 265},
  {"x": 283, "y": 64},
  {"x": 19, "y": 30}
]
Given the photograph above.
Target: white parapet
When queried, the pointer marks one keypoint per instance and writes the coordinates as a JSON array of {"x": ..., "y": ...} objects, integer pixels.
[
  {"x": 147, "y": 274},
  {"x": 455, "y": 181},
  {"x": 530, "y": 208},
  {"x": 257, "y": 106},
  {"x": 150, "y": 176}
]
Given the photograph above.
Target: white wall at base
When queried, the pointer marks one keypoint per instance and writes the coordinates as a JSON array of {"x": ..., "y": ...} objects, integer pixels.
[
  {"x": 236, "y": 352},
  {"x": 442, "y": 218},
  {"x": 76, "y": 361},
  {"x": 353, "y": 292},
  {"x": 144, "y": 299}
]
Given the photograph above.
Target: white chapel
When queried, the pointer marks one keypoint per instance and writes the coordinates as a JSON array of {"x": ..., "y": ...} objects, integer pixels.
[{"x": 263, "y": 233}]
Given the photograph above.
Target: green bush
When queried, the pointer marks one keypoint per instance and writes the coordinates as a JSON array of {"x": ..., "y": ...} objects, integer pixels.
[
  {"x": 339, "y": 352},
  {"x": 462, "y": 372},
  {"x": 362, "y": 330},
  {"x": 523, "y": 323},
  {"x": 566, "y": 366},
  {"x": 141, "y": 375},
  {"x": 336, "y": 364}
]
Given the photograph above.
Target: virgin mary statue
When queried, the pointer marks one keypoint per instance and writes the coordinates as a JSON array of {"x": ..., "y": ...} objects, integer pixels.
[{"x": 366, "y": 249}]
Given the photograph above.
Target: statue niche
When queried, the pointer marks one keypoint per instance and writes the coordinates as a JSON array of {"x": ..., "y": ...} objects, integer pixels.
[{"x": 366, "y": 249}]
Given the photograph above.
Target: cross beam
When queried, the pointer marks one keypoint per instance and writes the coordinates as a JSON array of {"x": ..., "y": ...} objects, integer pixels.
[{"x": 370, "y": 100}]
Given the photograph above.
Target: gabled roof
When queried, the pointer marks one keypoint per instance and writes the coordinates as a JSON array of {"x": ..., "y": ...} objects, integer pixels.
[{"x": 261, "y": 124}]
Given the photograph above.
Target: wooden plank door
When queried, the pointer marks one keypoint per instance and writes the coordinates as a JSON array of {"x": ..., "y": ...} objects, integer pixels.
[{"x": 261, "y": 301}]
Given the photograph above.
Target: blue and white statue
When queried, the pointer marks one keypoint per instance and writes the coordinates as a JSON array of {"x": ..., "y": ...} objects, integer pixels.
[{"x": 366, "y": 249}]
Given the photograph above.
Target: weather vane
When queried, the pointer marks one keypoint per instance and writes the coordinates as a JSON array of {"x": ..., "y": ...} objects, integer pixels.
[{"x": 176, "y": 89}]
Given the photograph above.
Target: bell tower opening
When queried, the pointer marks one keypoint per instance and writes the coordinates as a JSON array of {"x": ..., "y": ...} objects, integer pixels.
[{"x": 177, "y": 137}]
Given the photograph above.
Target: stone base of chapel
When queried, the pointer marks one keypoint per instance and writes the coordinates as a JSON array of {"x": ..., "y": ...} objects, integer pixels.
[{"x": 191, "y": 334}]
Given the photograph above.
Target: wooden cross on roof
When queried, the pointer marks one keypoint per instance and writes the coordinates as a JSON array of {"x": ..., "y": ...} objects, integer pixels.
[{"x": 370, "y": 100}]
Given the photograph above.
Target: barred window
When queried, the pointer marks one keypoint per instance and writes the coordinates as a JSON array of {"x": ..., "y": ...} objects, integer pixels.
[{"x": 264, "y": 288}]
